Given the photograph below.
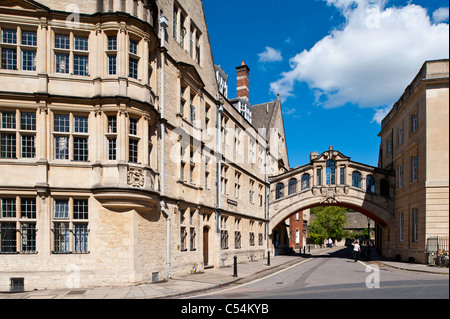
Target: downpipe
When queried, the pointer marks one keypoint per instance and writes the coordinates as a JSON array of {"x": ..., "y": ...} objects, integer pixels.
[
  {"x": 168, "y": 217},
  {"x": 164, "y": 24}
]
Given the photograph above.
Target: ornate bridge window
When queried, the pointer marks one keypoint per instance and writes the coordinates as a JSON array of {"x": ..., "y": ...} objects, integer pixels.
[
  {"x": 292, "y": 186},
  {"x": 331, "y": 172},
  {"x": 370, "y": 184},
  {"x": 305, "y": 181},
  {"x": 356, "y": 179},
  {"x": 279, "y": 191}
]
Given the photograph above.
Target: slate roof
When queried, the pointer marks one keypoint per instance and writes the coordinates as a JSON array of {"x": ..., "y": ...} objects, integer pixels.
[{"x": 262, "y": 114}]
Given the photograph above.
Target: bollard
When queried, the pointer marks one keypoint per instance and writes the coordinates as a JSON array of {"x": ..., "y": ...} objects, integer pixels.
[
  {"x": 268, "y": 258},
  {"x": 304, "y": 250},
  {"x": 309, "y": 249},
  {"x": 235, "y": 267}
]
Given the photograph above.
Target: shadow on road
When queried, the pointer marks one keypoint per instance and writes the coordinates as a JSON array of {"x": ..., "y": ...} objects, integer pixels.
[{"x": 344, "y": 252}]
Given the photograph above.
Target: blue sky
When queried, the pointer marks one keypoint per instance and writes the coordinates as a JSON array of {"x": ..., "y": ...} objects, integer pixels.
[{"x": 339, "y": 65}]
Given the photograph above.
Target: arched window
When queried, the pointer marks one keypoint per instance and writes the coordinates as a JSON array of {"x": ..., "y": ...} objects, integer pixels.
[
  {"x": 331, "y": 172},
  {"x": 305, "y": 181},
  {"x": 356, "y": 179},
  {"x": 292, "y": 186},
  {"x": 370, "y": 184},
  {"x": 384, "y": 188},
  {"x": 279, "y": 191}
]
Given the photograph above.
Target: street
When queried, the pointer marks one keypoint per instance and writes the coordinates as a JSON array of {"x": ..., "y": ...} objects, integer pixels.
[{"x": 335, "y": 275}]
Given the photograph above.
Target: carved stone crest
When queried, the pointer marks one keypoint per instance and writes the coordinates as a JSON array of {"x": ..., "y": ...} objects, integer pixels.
[
  {"x": 135, "y": 177},
  {"x": 330, "y": 196}
]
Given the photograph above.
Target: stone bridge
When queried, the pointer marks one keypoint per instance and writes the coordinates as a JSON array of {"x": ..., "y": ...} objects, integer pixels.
[{"x": 332, "y": 179}]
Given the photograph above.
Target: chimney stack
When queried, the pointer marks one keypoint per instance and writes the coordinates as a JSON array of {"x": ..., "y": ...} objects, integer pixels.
[{"x": 243, "y": 81}]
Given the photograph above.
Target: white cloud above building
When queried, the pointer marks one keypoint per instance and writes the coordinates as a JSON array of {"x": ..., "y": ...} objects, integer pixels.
[
  {"x": 370, "y": 59},
  {"x": 270, "y": 55}
]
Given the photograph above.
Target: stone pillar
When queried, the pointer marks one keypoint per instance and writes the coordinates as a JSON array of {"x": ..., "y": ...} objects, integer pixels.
[
  {"x": 41, "y": 55},
  {"x": 122, "y": 136}
]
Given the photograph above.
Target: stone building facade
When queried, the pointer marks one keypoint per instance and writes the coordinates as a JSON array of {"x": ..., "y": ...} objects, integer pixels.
[
  {"x": 415, "y": 144},
  {"x": 121, "y": 161}
]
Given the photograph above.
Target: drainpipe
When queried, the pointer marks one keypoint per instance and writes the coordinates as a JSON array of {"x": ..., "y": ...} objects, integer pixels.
[
  {"x": 164, "y": 23},
  {"x": 219, "y": 175},
  {"x": 266, "y": 205}
]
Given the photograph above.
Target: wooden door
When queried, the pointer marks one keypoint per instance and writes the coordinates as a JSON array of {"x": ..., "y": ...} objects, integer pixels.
[{"x": 205, "y": 245}]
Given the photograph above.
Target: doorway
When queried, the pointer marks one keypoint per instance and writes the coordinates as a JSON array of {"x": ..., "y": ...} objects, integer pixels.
[{"x": 205, "y": 246}]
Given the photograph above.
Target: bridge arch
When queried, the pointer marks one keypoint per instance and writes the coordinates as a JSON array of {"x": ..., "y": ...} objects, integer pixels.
[{"x": 332, "y": 179}]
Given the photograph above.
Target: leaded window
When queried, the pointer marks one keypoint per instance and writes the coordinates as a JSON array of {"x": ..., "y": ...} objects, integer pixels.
[
  {"x": 29, "y": 38},
  {"x": 9, "y": 59},
  {"x": 331, "y": 172},
  {"x": 17, "y": 225},
  {"x": 279, "y": 191},
  {"x": 133, "y": 68},
  {"x": 356, "y": 179},
  {"x": 72, "y": 57},
  {"x": 62, "y": 123},
  {"x": 112, "y": 64},
  {"x": 81, "y": 43},
  {"x": 81, "y": 65},
  {"x": 28, "y": 121},
  {"x": 342, "y": 175},
  {"x": 62, "y": 41},
  {"x": 370, "y": 184},
  {"x": 81, "y": 124},
  {"x": 71, "y": 226},
  {"x": 292, "y": 186},
  {"x": 29, "y": 60},
  {"x": 305, "y": 181},
  {"x": 15, "y": 54},
  {"x": 80, "y": 149},
  {"x": 28, "y": 146}
]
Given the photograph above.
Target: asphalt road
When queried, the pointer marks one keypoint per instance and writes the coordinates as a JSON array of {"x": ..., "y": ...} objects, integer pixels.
[{"x": 336, "y": 276}]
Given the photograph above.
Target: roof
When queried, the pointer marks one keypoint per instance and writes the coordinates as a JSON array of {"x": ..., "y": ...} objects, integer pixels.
[{"x": 262, "y": 114}]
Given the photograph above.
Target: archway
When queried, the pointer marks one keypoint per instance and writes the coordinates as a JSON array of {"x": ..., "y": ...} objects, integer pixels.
[
  {"x": 332, "y": 179},
  {"x": 342, "y": 224}
]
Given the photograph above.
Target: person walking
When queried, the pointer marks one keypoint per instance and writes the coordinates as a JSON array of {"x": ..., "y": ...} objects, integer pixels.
[{"x": 356, "y": 250}]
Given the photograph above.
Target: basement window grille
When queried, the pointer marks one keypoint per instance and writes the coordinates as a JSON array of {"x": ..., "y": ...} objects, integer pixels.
[{"x": 17, "y": 285}]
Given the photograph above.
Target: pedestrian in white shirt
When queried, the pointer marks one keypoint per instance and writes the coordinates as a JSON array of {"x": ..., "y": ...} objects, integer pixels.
[{"x": 356, "y": 250}]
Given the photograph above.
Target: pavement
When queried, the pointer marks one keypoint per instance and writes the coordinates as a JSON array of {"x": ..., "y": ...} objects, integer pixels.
[{"x": 187, "y": 285}]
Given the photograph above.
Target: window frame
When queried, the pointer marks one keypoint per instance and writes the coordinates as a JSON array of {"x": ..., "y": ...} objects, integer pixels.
[
  {"x": 279, "y": 191},
  {"x": 65, "y": 130},
  {"x": 17, "y": 134},
  {"x": 70, "y": 230},
  {"x": 371, "y": 185},
  {"x": 306, "y": 179},
  {"x": 71, "y": 50},
  {"x": 292, "y": 186},
  {"x": 358, "y": 181},
  {"x": 330, "y": 172},
  {"x": 20, "y": 225}
]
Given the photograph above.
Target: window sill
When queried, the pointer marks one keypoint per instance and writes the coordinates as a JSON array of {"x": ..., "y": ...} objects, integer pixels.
[{"x": 412, "y": 183}]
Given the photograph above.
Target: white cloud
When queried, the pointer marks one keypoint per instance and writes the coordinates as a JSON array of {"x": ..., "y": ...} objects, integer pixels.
[
  {"x": 371, "y": 59},
  {"x": 381, "y": 113},
  {"x": 289, "y": 111},
  {"x": 270, "y": 55},
  {"x": 440, "y": 15}
]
